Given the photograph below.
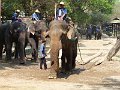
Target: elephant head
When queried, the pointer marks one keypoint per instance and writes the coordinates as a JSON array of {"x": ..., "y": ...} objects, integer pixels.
[
  {"x": 58, "y": 30},
  {"x": 16, "y": 28},
  {"x": 39, "y": 28}
]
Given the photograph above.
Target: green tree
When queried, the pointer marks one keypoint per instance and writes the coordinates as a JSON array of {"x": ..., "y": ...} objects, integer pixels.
[{"x": 81, "y": 11}]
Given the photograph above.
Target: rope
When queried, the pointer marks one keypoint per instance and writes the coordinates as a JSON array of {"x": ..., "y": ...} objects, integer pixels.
[{"x": 80, "y": 55}]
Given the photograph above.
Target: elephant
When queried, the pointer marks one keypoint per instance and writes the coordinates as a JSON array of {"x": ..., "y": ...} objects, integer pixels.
[
  {"x": 61, "y": 36},
  {"x": 4, "y": 28},
  {"x": 13, "y": 32},
  {"x": 69, "y": 50},
  {"x": 21, "y": 34},
  {"x": 36, "y": 31}
]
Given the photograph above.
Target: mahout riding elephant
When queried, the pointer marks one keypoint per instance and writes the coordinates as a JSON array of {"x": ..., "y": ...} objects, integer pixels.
[{"x": 61, "y": 37}]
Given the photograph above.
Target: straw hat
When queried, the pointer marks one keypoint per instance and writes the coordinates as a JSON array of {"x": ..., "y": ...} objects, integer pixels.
[
  {"x": 17, "y": 10},
  {"x": 61, "y": 3},
  {"x": 37, "y": 11}
]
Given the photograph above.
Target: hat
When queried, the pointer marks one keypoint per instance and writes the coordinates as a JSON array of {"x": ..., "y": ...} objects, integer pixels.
[
  {"x": 17, "y": 10},
  {"x": 37, "y": 11},
  {"x": 61, "y": 3}
]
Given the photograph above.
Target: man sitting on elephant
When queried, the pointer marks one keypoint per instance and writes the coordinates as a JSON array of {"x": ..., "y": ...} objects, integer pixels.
[
  {"x": 15, "y": 16},
  {"x": 61, "y": 12}
]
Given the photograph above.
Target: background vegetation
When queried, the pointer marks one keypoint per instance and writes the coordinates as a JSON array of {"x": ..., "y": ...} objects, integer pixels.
[{"x": 81, "y": 11}]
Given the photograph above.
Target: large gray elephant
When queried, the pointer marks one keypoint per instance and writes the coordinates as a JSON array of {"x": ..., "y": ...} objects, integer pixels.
[
  {"x": 36, "y": 30},
  {"x": 13, "y": 32},
  {"x": 21, "y": 34},
  {"x": 4, "y": 28},
  {"x": 61, "y": 35}
]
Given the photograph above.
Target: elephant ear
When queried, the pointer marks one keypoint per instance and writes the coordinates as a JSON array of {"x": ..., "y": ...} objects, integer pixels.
[
  {"x": 31, "y": 28},
  {"x": 11, "y": 28},
  {"x": 71, "y": 32}
]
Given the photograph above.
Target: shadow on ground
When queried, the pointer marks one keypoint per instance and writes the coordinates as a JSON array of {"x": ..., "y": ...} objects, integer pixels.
[
  {"x": 66, "y": 75},
  {"x": 14, "y": 64}
]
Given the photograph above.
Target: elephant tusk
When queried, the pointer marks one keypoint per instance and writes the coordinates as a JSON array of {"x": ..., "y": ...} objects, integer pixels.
[{"x": 32, "y": 33}]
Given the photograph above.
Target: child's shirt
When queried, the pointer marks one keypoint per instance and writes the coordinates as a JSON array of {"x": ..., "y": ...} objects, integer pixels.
[{"x": 42, "y": 52}]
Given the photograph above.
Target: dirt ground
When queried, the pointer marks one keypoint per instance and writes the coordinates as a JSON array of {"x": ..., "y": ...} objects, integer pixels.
[{"x": 85, "y": 77}]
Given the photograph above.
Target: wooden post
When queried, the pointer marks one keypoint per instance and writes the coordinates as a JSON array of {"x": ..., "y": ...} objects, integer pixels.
[
  {"x": 55, "y": 10},
  {"x": 0, "y": 12}
]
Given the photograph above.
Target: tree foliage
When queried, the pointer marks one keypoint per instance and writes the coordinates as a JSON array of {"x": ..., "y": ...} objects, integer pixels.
[{"x": 81, "y": 11}]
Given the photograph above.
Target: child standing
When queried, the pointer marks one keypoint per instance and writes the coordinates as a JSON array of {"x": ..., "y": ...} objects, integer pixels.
[{"x": 42, "y": 55}]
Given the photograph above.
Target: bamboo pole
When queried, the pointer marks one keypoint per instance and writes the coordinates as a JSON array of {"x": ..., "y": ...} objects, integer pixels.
[{"x": 55, "y": 10}]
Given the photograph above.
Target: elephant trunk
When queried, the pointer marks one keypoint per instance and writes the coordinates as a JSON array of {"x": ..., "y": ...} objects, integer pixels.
[{"x": 54, "y": 53}]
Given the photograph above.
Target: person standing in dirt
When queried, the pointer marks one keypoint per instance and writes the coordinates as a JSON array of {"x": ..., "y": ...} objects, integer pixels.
[
  {"x": 42, "y": 55},
  {"x": 89, "y": 32}
]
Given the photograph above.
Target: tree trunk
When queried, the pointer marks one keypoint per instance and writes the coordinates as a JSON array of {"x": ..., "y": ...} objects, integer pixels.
[
  {"x": 91, "y": 58},
  {"x": 111, "y": 53}
]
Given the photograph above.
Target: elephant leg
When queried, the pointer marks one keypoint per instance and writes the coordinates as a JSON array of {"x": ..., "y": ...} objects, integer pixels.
[
  {"x": 73, "y": 59},
  {"x": 1, "y": 48},
  {"x": 16, "y": 50},
  {"x": 21, "y": 42},
  {"x": 69, "y": 61},
  {"x": 63, "y": 61},
  {"x": 33, "y": 46},
  {"x": 8, "y": 47},
  {"x": 36, "y": 50},
  {"x": 54, "y": 61},
  {"x": 74, "y": 55}
]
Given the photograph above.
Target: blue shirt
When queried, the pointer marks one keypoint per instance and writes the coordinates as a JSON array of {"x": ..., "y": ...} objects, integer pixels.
[
  {"x": 61, "y": 12},
  {"x": 42, "y": 52},
  {"x": 89, "y": 30},
  {"x": 14, "y": 17},
  {"x": 97, "y": 29},
  {"x": 35, "y": 16}
]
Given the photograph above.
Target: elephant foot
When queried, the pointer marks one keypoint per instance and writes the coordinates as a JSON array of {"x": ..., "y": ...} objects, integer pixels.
[
  {"x": 52, "y": 77},
  {"x": 8, "y": 60},
  {"x": 22, "y": 62}
]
